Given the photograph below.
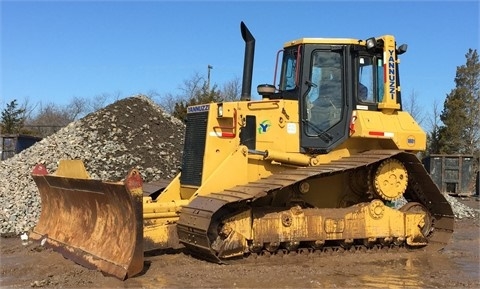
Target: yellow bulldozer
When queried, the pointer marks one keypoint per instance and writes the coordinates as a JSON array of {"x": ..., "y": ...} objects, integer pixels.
[{"x": 319, "y": 163}]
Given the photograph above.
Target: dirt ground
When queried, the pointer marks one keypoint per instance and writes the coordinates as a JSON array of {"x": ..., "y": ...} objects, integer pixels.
[{"x": 457, "y": 266}]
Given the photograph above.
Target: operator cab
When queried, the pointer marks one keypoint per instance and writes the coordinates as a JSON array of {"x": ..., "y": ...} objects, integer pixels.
[{"x": 331, "y": 78}]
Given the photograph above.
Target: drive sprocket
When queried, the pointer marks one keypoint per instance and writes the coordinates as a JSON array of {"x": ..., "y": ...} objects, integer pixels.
[{"x": 390, "y": 179}]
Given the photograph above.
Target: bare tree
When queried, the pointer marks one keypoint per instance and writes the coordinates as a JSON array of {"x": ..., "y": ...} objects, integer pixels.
[
  {"x": 196, "y": 91},
  {"x": 29, "y": 108},
  {"x": 49, "y": 119},
  {"x": 153, "y": 95},
  {"x": 192, "y": 86},
  {"x": 168, "y": 101},
  {"x": 99, "y": 102},
  {"x": 78, "y": 107},
  {"x": 231, "y": 90},
  {"x": 412, "y": 106},
  {"x": 116, "y": 96}
]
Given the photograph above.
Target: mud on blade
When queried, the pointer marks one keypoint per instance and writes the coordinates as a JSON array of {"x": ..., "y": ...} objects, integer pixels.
[{"x": 94, "y": 223}]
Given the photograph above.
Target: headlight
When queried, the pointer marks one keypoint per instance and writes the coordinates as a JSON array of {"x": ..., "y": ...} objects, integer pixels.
[{"x": 371, "y": 43}]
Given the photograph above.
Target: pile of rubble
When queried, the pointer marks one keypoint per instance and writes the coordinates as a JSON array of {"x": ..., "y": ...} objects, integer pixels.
[
  {"x": 130, "y": 133},
  {"x": 461, "y": 210}
]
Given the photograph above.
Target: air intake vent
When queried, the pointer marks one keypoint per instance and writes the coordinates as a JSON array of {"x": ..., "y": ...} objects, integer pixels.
[{"x": 194, "y": 150}]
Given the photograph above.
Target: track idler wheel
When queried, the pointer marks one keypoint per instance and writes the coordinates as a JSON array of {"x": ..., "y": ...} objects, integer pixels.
[{"x": 419, "y": 208}]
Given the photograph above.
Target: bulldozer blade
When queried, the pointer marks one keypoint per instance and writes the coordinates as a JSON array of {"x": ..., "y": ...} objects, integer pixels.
[{"x": 94, "y": 223}]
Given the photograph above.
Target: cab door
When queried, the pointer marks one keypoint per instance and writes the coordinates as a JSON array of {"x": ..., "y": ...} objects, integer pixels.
[{"x": 324, "y": 109}]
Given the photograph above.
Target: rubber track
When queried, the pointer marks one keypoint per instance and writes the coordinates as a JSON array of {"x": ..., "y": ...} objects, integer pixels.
[{"x": 196, "y": 219}]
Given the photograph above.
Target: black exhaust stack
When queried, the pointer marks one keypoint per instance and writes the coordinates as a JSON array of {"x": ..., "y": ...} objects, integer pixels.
[{"x": 248, "y": 62}]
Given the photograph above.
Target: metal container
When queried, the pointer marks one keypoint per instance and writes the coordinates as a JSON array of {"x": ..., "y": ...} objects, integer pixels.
[
  {"x": 11, "y": 144},
  {"x": 453, "y": 174}
]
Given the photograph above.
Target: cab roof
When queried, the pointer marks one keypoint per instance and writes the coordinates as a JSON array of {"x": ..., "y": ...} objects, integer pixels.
[{"x": 324, "y": 41}]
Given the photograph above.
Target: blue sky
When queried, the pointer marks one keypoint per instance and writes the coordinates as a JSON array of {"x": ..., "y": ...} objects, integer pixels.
[{"x": 52, "y": 51}]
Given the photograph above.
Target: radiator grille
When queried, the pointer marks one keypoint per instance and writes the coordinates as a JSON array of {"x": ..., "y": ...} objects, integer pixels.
[{"x": 194, "y": 150}]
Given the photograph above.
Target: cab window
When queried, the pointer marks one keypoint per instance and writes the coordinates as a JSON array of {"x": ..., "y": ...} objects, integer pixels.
[
  {"x": 380, "y": 80},
  {"x": 324, "y": 103},
  {"x": 365, "y": 91},
  {"x": 289, "y": 69},
  {"x": 370, "y": 84}
]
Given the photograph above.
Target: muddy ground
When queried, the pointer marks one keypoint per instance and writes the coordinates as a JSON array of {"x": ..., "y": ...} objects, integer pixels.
[{"x": 457, "y": 266}]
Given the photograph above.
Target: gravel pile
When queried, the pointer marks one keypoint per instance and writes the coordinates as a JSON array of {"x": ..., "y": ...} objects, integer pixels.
[
  {"x": 460, "y": 210},
  {"x": 130, "y": 133}
]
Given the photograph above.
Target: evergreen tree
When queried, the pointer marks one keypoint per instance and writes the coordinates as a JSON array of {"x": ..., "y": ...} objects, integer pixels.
[
  {"x": 433, "y": 137},
  {"x": 12, "y": 118},
  {"x": 460, "y": 116},
  {"x": 433, "y": 142}
]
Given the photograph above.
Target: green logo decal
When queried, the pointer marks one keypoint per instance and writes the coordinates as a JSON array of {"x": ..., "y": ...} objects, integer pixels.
[{"x": 264, "y": 126}]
